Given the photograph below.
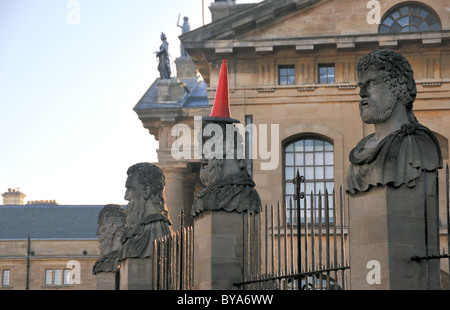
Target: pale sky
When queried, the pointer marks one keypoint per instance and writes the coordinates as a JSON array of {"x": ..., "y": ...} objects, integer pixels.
[{"x": 67, "y": 91}]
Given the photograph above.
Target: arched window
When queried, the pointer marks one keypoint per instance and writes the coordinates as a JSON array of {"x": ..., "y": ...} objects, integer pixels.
[
  {"x": 410, "y": 17},
  {"x": 313, "y": 157}
]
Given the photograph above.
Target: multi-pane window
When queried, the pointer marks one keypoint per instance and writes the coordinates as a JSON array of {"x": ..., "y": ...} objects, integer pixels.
[
  {"x": 48, "y": 277},
  {"x": 6, "y": 277},
  {"x": 313, "y": 158},
  {"x": 248, "y": 144},
  {"x": 410, "y": 18},
  {"x": 326, "y": 74},
  {"x": 286, "y": 75},
  {"x": 67, "y": 277},
  {"x": 57, "y": 276}
]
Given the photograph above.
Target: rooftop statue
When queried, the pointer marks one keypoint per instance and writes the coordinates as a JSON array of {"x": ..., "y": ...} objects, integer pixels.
[
  {"x": 400, "y": 148},
  {"x": 111, "y": 226},
  {"x": 147, "y": 215},
  {"x": 163, "y": 57},
  {"x": 185, "y": 28}
]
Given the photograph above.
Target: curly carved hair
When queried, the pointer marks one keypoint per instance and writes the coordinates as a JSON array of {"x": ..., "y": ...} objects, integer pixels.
[
  {"x": 113, "y": 213},
  {"x": 151, "y": 174},
  {"x": 396, "y": 72}
]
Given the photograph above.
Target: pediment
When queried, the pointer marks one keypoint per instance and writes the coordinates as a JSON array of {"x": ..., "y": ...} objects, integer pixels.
[
  {"x": 290, "y": 19},
  {"x": 248, "y": 20}
]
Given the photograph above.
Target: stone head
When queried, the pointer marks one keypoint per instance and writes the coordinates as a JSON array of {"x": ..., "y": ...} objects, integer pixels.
[
  {"x": 111, "y": 226},
  {"x": 222, "y": 152},
  {"x": 385, "y": 79},
  {"x": 145, "y": 187}
]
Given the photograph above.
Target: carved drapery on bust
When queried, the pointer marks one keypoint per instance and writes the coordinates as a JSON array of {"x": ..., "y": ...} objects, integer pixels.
[
  {"x": 400, "y": 148},
  {"x": 147, "y": 215},
  {"x": 228, "y": 185},
  {"x": 111, "y": 226}
]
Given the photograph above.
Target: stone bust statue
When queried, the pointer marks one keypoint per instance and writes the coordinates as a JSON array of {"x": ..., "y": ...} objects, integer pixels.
[
  {"x": 400, "y": 148},
  {"x": 111, "y": 226},
  {"x": 147, "y": 215},
  {"x": 228, "y": 185}
]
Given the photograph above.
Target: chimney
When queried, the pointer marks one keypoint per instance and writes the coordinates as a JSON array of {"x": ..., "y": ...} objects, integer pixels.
[
  {"x": 13, "y": 197},
  {"x": 222, "y": 8}
]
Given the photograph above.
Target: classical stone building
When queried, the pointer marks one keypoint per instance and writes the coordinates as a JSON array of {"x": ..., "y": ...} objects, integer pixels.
[
  {"x": 292, "y": 74},
  {"x": 48, "y": 247},
  {"x": 292, "y": 81}
]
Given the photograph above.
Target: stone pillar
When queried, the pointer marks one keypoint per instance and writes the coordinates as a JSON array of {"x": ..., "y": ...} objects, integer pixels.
[
  {"x": 387, "y": 228},
  {"x": 217, "y": 250},
  {"x": 185, "y": 68},
  {"x": 136, "y": 274},
  {"x": 106, "y": 280},
  {"x": 175, "y": 178}
]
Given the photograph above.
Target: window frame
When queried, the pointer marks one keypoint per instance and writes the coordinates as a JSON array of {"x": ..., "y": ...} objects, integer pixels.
[
  {"x": 9, "y": 282},
  {"x": 248, "y": 140},
  {"x": 327, "y": 179},
  {"x": 57, "y": 276},
  {"x": 396, "y": 13},
  {"x": 288, "y": 75},
  {"x": 327, "y": 66}
]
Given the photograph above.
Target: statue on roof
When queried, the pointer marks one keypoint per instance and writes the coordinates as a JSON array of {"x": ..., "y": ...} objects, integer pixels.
[
  {"x": 186, "y": 27},
  {"x": 163, "y": 57}
]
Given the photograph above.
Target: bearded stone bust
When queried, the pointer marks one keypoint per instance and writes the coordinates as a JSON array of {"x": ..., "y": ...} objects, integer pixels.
[
  {"x": 228, "y": 185},
  {"x": 111, "y": 226},
  {"x": 401, "y": 148},
  {"x": 147, "y": 215}
]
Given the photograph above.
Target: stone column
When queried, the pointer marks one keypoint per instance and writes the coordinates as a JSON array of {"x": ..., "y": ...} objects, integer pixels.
[
  {"x": 387, "y": 228},
  {"x": 217, "y": 250},
  {"x": 175, "y": 179}
]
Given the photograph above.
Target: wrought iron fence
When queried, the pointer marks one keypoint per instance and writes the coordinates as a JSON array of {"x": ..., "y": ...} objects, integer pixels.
[
  {"x": 173, "y": 263},
  {"x": 280, "y": 253},
  {"x": 434, "y": 243}
]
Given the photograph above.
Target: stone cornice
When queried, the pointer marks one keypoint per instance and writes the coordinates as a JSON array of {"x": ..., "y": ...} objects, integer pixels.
[{"x": 310, "y": 43}]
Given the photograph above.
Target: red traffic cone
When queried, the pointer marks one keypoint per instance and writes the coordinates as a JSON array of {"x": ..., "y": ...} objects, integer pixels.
[{"x": 221, "y": 109}]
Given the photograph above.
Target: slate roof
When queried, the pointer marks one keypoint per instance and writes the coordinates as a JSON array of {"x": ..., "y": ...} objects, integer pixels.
[
  {"x": 197, "y": 97},
  {"x": 48, "y": 221}
]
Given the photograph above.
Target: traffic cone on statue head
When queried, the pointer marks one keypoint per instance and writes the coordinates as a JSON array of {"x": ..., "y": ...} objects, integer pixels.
[{"x": 221, "y": 109}]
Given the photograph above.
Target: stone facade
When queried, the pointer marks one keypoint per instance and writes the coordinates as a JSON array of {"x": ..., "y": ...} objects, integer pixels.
[
  {"x": 49, "y": 255},
  {"x": 257, "y": 41},
  {"x": 55, "y": 245}
]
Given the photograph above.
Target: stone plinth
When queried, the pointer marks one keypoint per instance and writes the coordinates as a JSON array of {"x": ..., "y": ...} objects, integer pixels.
[
  {"x": 387, "y": 226},
  {"x": 169, "y": 90},
  {"x": 136, "y": 274},
  {"x": 106, "y": 280},
  {"x": 185, "y": 68},
  {"x": 217, "y": 250}
]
